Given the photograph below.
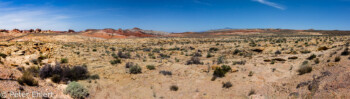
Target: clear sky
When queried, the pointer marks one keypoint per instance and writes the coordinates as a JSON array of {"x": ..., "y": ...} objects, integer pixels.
[{"x": 175, "y": 15}]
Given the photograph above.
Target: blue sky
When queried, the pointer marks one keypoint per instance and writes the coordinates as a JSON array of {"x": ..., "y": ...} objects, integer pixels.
[{"x": 175, "y": 15}]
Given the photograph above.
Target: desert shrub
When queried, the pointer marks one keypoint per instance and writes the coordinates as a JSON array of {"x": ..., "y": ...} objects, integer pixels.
[
  {"x": 135, "y": 69},
  {"x": 156, "y": 50},
  {"x": 305, "y": 52},
  {"x": 278, "y": 52},
  {"x": 76, "y": 91},
  {"x": 174, "y": 88},
  {"x": 64, "y": 60},
  {"x": 197, "y": 54},
  {"x": 151, "y": 67},
  {"x": 35, "y": 61},
  {"x": 45, "y": 71},
  {"x": 317, "y": 61},
  {"x": 337, "y": 59},
  {"x": 123, "y": 55},
  {"x": 115, "y": 61},
  {"x": 3, "y": 55},
  {"x": 113, "y": 48},
  {"x": 193, "y": 60},
  {"x": 322, "y": 48},
  {"x": 163, "y": 56},
  {"x": 93, "y": 77},
  {"x": 115, "y": 56},
  {"x": 250, "y": 73},
  {"x": 226, "y": 85},
  {"x": 129, "y": 64},
  {"x": 209, "y": 55},
  {"x": 221, "y": 59},
  {"x": 304, "y": 69},
  {"x": 41, "y": 58},
  {"x": 78, "y": 72},
  {"x": 311, "y": 57},
  {"x": 65, "y": 73},
  {"x": 219, "y": 72},
  {"x": 56, "y": 78},
  {"x": 236, "y": 51},
  {"x": 226, "y": 68},
  {"x": 213, "y": 49},
  {"x": 166, "y": 72},
  {"x": 238, "y": 62},
  {"x": 293, "y": 57},
  {"x": 27, "y": 79},
  {"x": 34, "y": 70},
  {"x": 305, "y": 63},
  {"x": 345, "y": 52}
]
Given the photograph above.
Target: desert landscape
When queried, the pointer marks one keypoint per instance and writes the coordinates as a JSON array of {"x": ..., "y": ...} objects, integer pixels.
[{"x": 147, "y": 64}]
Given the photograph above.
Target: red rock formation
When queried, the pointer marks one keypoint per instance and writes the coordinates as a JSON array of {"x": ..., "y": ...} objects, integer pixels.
[
  {"x": 71, "y": 31},
  {"x": 5, "y": 31},
  {"x": 16, "y": 31}
]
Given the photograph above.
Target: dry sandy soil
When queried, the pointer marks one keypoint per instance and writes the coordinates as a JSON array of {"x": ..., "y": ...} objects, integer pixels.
[{"x": 264, "y": 67}]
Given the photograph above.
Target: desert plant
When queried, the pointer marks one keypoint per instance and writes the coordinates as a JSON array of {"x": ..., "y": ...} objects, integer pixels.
[
  {"x": 345, "y": 52},
  {"x": 304, "y": 69},
  {"x": 174, "y": 88},
  {"x": 93, "y": 77},
  {"x": 317, "y": 61},
  {"x": 64, "y": 60},
  {"x": 209, "y": 55},
  {"x": 337, "y": 59},
  {"x": 221, "y": 59},
  {"x": 213, "y": 49},
  {"x": 76, "y": 91},
  {"x": 27, "y": 79},
  {"x": 3, "y": 55},
  {"x": 250, "y": 73},
  {"x": 193, "y": 60},
  {"x": 311, "y": 57},
  {"x": 219, "y": 72},
  {"x": 78, "y": 72},
  {"x": 166, "y": 72},
  {"x": 226, "y": 68},
  {"x": 45, "y": 71},
  {"x": 227, "y": 85},
  {"x": 151, "y": 67},
  {"x": 56, "y": 78},
  {"x": 129, "y": 64},
  {"x": 115, "y": 61},
  {"x": 135, "y": 69},
  {"x": 34, "y": 70}
]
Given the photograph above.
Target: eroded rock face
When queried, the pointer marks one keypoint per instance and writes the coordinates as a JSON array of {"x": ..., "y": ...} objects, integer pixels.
[{"x": 120, "y": 33}]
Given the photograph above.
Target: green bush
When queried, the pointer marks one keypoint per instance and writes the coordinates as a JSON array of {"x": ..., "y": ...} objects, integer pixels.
[
  {"x": 115, "y": 61},
  {"x": 76, "y": 91},
  {"x": 135, "y": 69},
  {"x": 151, "y": 67},
  {"x": 219, "y": 72},
  {"x": 27, "y": 79},
  {"x": 226, "y": 68}
]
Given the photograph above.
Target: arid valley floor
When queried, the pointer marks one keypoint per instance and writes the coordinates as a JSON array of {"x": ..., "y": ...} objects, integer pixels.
[{"x": 244, "y": 64}]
